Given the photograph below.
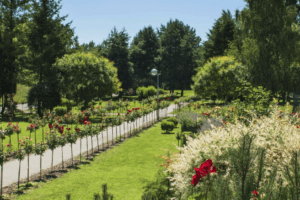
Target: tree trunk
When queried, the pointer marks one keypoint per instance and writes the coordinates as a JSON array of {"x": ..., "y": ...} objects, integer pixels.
[{"x": 182, "y": 93}]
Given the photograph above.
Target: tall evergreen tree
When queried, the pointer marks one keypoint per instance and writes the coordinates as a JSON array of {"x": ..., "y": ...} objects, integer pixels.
[
  {"x": 219, "y": 36},
  {"x": 115, "y": 48},
  {"x": 179, "y": 49},
  {"x": 13, "y": 14},
  {"x": 143, "y": 51},
  {"x": 49, "y": 39}
]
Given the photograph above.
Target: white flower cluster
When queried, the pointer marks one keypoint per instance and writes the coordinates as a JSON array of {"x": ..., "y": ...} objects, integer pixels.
[{"x": 277, "y": 137}]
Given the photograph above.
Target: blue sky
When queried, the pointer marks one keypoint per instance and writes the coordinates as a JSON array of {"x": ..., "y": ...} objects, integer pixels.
[{"x": 94, "y": 19}]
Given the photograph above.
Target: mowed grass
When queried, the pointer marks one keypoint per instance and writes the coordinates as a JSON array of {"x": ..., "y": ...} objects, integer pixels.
[
  {"x": 21, "y": 94},
  {"x": 124, "y": 168}
]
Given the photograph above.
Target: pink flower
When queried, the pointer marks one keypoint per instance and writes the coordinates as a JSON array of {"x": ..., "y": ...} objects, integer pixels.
[{"x": 8, "y": 145}]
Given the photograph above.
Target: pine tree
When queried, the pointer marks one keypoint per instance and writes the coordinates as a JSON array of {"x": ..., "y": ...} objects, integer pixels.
[
  {"x": 219, "y": 36},
  {"x": 13, "y": 14},
  {"x": 143, "y": 51},
  {"x": 179, "y": 48},
  {"x": 49, "y": 39},
  {"x": 115, "y": 48}
]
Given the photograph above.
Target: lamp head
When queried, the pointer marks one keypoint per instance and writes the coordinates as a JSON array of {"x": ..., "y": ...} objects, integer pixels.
[{"x": 154, "y": 72}]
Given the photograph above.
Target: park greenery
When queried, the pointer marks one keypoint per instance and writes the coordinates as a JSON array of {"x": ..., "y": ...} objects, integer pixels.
[{"x": 236, "y": 124}]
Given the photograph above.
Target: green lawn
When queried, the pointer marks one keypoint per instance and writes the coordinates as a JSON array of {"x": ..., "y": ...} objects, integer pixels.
[
  {"x": 21, "y": 94},
  {"x": 124, "y": 168}
]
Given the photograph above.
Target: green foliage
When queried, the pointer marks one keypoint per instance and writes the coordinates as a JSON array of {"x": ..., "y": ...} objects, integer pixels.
[
  {"x": 178, "y": 54},
  {"x": 158, "y": 188},
  {"x": 167, "y": 126},
  {"x": 115, "y": 49},
  {"x": 188, "y": 120},
  {"x": 219, "y": 36},
  {"x": 173, "y": 119},
  {"x": 151, "y": 90},
  {"x": 60, "y": 110},
  {"x": 145, "y": 92},
  {"x": 143, "y": 51},
  {"x": 256, "y": 99},
  {"x": 48, "y": 93},
  {"x": 83, "y": 76},
  {"x": 268, "y": 44},
  {"x": 220, "y": 76}
]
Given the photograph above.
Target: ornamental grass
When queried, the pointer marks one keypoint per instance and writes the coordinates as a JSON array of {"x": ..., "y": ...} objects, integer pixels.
[{"x": 254, "y": 160}]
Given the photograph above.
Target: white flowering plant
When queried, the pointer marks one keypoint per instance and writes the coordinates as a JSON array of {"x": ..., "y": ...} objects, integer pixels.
[{"x": 258, "y": 157}]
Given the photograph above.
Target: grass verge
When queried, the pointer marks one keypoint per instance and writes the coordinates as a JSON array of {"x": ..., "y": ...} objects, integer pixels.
[{"x": 123, "y": 168}]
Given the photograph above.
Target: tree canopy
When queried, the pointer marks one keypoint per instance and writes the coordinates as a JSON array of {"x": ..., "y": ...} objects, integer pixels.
[
  {"x": 84, "y": 76},
  {"x": 220, "y": 77},
  {"x": 178, "y": 54}
]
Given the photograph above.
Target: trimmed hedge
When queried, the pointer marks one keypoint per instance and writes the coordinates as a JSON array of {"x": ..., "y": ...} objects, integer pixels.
[
  {"x": 174, "y": 120},
  {"x": 167, "y": 126},
  {"x": 60, "y": 110}
]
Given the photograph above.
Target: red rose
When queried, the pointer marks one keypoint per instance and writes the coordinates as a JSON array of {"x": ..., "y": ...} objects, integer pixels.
[
  {"x": 280, "y": 112},
  {"x": 255, "y": 193},
  {"x": 8, "y": 145}
]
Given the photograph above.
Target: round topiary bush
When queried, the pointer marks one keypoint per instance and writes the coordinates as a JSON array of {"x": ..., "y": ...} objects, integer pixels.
[
  {"x": 167, "y": 126},
  {"x": 174, "y": 120}
]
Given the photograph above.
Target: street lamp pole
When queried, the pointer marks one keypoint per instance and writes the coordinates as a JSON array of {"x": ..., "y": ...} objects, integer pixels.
[{"x": 154, "y": 72}]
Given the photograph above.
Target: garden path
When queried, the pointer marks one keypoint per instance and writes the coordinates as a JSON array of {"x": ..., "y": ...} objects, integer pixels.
[{"x": 11, "y": 168}]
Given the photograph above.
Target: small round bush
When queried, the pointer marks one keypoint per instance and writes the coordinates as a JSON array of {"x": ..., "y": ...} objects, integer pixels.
[
  {"x": 174, "y": 120},
  {"x": 64, "y": 101},
  {"x": 167, "y": 126}
]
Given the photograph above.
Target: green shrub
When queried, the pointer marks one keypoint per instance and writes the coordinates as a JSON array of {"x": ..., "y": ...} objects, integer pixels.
[
  {"x": 188, "y": 120},
  {"x": 142, "y": 92},
  {"x": 72, "y": 102},
  {"x": 187, "y": 134},
  {"x": 161, "y": 91},
  {"x": 64, "y": 102},
  {"x": 60, "y": 110},
  {"x": 92, "y": 103},
  {"x": 151, "y": 90},
  {"x": 173, "y": 119},
  {"x": 158, "y": 188},
  {"x": 167, "y": 126}
]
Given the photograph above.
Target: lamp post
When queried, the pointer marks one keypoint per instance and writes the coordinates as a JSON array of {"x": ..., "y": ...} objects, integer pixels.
[{"x": 154, "y": 73}]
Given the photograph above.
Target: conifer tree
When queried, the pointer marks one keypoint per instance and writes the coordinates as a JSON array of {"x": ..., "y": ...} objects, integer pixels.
[
  {"x": 115, "y": 48},
  {"x": 178, "y": 54},
  {"x": 13, "y": 14},
  {"x": 49, "y": 40},
  {"x": 143, "y": 51}
]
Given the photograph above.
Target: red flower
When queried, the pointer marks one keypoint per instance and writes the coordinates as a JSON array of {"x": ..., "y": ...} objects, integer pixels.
[
  {"x": 167, "y": 97},
  {"x": 28, "y": 128},
  {"x": 68, "y": 129},
  {"x": 56, "y": 125},
  {"x": 195, "y": 180},
  {"x": 279, "y": 116},
  {"x": 59, "y": 121},
  {"x": 45, "y": 117},
  {"x": 127, "y": 113},
  {"x": 20, "y": 140},
  {"x": 118, "y": 113},
  {"x": 80, "y": 121},
  {"x": 77, "y": 129},
  {"x": 298, "y": 126},
  {"x": 205, "y": 168},
  {"x": 50, "y": 126},
  {"x": 280, "y": 112},
  {"x": 255, "y": 193},
  {"x": 8, "y": 145}
]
